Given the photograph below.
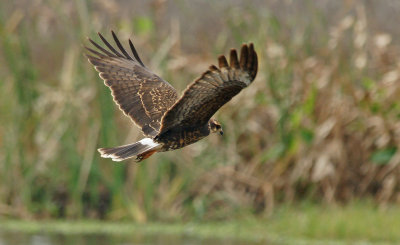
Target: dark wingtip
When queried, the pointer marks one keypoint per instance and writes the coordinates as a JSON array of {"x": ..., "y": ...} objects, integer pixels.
[
  {"x": 222, "y": 62},
  {"x": 248, "y": 59},
  {"x": 213, "y": 68},
  {"x": 253, "y": 63},
  {"x": 87, "y": 48},
  {"x": 118, "y": 54},
  {"x": 105, "y": 52},
  {"x": 114, "y": 35},
  {"x": 233, "y": 59},
  {"x": 244, "y": 53},
  {"x": 121, "y": 48},
  {"x": 135, "y": 53}
]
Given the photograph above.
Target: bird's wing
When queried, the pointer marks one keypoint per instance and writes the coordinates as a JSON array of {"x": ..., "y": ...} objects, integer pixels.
[
  {"x": 213, "y": 89},
  {"x": 140, "y": 94}
]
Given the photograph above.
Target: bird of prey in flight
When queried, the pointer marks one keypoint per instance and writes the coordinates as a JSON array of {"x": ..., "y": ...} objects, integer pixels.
[{"x": 168, "y": 121}]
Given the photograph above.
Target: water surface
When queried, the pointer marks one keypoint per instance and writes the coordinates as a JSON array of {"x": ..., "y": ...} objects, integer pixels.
[{"x": 17, "y": 238}]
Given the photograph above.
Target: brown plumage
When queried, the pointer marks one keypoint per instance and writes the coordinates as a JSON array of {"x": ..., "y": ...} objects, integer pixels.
[{"x": 153, "y": 104}]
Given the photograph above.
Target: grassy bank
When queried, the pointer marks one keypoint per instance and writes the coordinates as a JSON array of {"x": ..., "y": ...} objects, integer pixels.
[{"x": 307, "y": 224}]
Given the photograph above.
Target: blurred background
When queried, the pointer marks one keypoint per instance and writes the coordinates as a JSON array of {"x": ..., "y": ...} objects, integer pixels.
[{"x": 320, "y": 124}]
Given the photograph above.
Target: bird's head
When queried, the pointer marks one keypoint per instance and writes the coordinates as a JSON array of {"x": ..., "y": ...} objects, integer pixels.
[{"x": 215, "y": 126}]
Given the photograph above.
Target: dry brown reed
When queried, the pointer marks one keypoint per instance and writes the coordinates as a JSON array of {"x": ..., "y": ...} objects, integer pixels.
[{"x": 319, "y": 123}]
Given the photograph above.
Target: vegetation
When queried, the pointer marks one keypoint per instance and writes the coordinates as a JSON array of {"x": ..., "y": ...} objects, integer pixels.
[
  {"x": 303, "y": 224},
  {"x": 319, "y": 123}
]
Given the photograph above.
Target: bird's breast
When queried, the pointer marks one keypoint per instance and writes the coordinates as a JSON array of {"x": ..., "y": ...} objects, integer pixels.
[{"x": 175, "y": 139}]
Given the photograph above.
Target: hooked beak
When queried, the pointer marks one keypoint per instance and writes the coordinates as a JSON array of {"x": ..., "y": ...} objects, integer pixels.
[{"x": 221, "y": 132}]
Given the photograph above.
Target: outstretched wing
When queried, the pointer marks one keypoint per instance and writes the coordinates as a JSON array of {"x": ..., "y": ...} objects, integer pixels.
[
  {"x": 140, "y": 94},
  {"x": 212, "y": 90}
]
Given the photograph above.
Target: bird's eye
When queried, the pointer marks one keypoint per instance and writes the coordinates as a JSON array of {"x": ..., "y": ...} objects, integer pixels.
[{"x": 218, "y": 126}]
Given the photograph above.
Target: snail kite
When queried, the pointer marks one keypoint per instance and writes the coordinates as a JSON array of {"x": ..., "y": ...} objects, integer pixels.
[{"x": 170, "y": 122}]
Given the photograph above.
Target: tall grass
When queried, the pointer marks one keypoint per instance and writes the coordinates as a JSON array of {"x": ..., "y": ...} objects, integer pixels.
[{"x": 319, "y": 122}]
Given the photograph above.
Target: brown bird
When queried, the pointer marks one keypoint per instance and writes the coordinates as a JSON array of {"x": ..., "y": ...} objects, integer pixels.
[{"x": 170, "y": 122}]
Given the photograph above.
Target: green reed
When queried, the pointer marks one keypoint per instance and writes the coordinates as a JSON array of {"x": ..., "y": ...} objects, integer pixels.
[{"x": 318, "y": 123}]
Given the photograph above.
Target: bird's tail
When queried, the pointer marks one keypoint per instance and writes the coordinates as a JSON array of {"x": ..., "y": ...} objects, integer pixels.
[{"x": 139, "y": 150}]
